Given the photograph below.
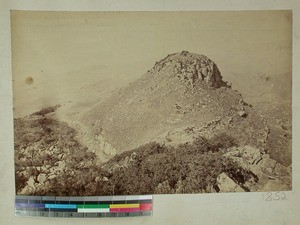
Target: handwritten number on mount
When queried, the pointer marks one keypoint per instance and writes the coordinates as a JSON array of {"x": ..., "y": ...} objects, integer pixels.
[{"x": 274, "y": 196}]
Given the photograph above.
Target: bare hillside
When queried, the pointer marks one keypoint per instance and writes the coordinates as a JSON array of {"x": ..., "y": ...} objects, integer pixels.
[{"x": 182, "y": 91}]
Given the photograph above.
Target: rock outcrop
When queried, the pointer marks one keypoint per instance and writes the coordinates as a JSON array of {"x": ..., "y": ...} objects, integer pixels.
[
  {"x": 270, "y": 175},
  {"x": 192, "y": 68}
]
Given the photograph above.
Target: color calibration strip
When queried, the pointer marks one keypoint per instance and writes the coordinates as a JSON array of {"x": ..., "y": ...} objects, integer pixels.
[{"x": 81, "y": 207}]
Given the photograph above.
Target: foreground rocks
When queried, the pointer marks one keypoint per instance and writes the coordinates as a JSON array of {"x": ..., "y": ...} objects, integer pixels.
[{"x": 269, "y": 174}]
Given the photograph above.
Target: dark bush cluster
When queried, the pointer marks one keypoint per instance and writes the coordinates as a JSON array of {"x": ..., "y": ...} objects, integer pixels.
[
  {"x": 46, "y": 110},
  {"x": 188, "y": 168}
]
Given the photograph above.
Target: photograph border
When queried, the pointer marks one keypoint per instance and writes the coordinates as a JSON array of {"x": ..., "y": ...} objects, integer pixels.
[{"x": 230, "y": 208}]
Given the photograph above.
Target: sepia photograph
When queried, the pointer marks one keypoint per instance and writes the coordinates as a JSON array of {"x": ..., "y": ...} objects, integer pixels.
[{"x": 134, "y": 103}]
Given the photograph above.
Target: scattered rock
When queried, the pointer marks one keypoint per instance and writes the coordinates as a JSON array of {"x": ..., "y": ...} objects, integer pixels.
[
  {"x": 242, "y": 113},
  {"x": 42, "y": 178},
  {"x": 178, "y": 106},
  {"x": 267, "y": 165},
  {"x": 263, "y": 180},
  {"x": 281, "y": 170},
  {"x": 266, "y": 156},
  {"x": 31, "y": 182},
  {"x": 226, "y": 184},
  {"x": 275, "y": 185},
  {"x": 253, "y": 155},
  {"x": 246, "y": 155}
]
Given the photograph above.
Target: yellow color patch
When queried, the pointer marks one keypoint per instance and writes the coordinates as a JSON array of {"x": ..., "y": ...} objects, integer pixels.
[{"x": 113, "y": 206}]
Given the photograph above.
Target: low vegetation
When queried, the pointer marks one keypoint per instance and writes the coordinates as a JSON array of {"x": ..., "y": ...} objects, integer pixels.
[
  {"x": 48, "y": 154},
  {"x": 46, "y": 110},
  {"x": 188, "y": 168}
]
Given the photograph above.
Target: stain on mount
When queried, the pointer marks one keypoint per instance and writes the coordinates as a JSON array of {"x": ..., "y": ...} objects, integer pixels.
[{"x": 29, "y": 81}]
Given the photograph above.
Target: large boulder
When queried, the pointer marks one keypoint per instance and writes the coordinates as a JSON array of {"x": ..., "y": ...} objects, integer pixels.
[{"x": 226, "y": 184}]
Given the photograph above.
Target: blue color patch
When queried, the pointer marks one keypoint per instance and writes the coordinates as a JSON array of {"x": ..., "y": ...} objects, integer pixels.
[{"x": 60, "y": 206}]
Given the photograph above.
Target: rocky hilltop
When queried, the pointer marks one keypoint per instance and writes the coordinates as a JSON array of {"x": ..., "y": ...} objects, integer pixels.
[
  {"x": 191, "y": 68},
  {"x": 182, "y": 92}
]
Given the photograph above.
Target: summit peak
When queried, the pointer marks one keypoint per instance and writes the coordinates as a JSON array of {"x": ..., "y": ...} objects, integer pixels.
[{"x": 191, "y": 68}]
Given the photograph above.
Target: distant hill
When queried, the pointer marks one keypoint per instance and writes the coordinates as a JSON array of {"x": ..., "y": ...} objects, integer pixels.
[{"x": 263, "y": 88}]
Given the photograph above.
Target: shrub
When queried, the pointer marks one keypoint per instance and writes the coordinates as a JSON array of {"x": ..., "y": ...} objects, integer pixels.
[
  {"x": 46, "y": 110},
  {"x": 188, "y": 168},
  {"x": 222, "y": 141}
]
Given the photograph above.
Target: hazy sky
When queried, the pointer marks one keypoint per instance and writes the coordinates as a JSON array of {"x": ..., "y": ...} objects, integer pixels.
[{"x": 68, "y": 50}]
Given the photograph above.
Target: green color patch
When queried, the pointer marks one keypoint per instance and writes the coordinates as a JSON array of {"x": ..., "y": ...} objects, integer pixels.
[{"x": 93, "y": 206}]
